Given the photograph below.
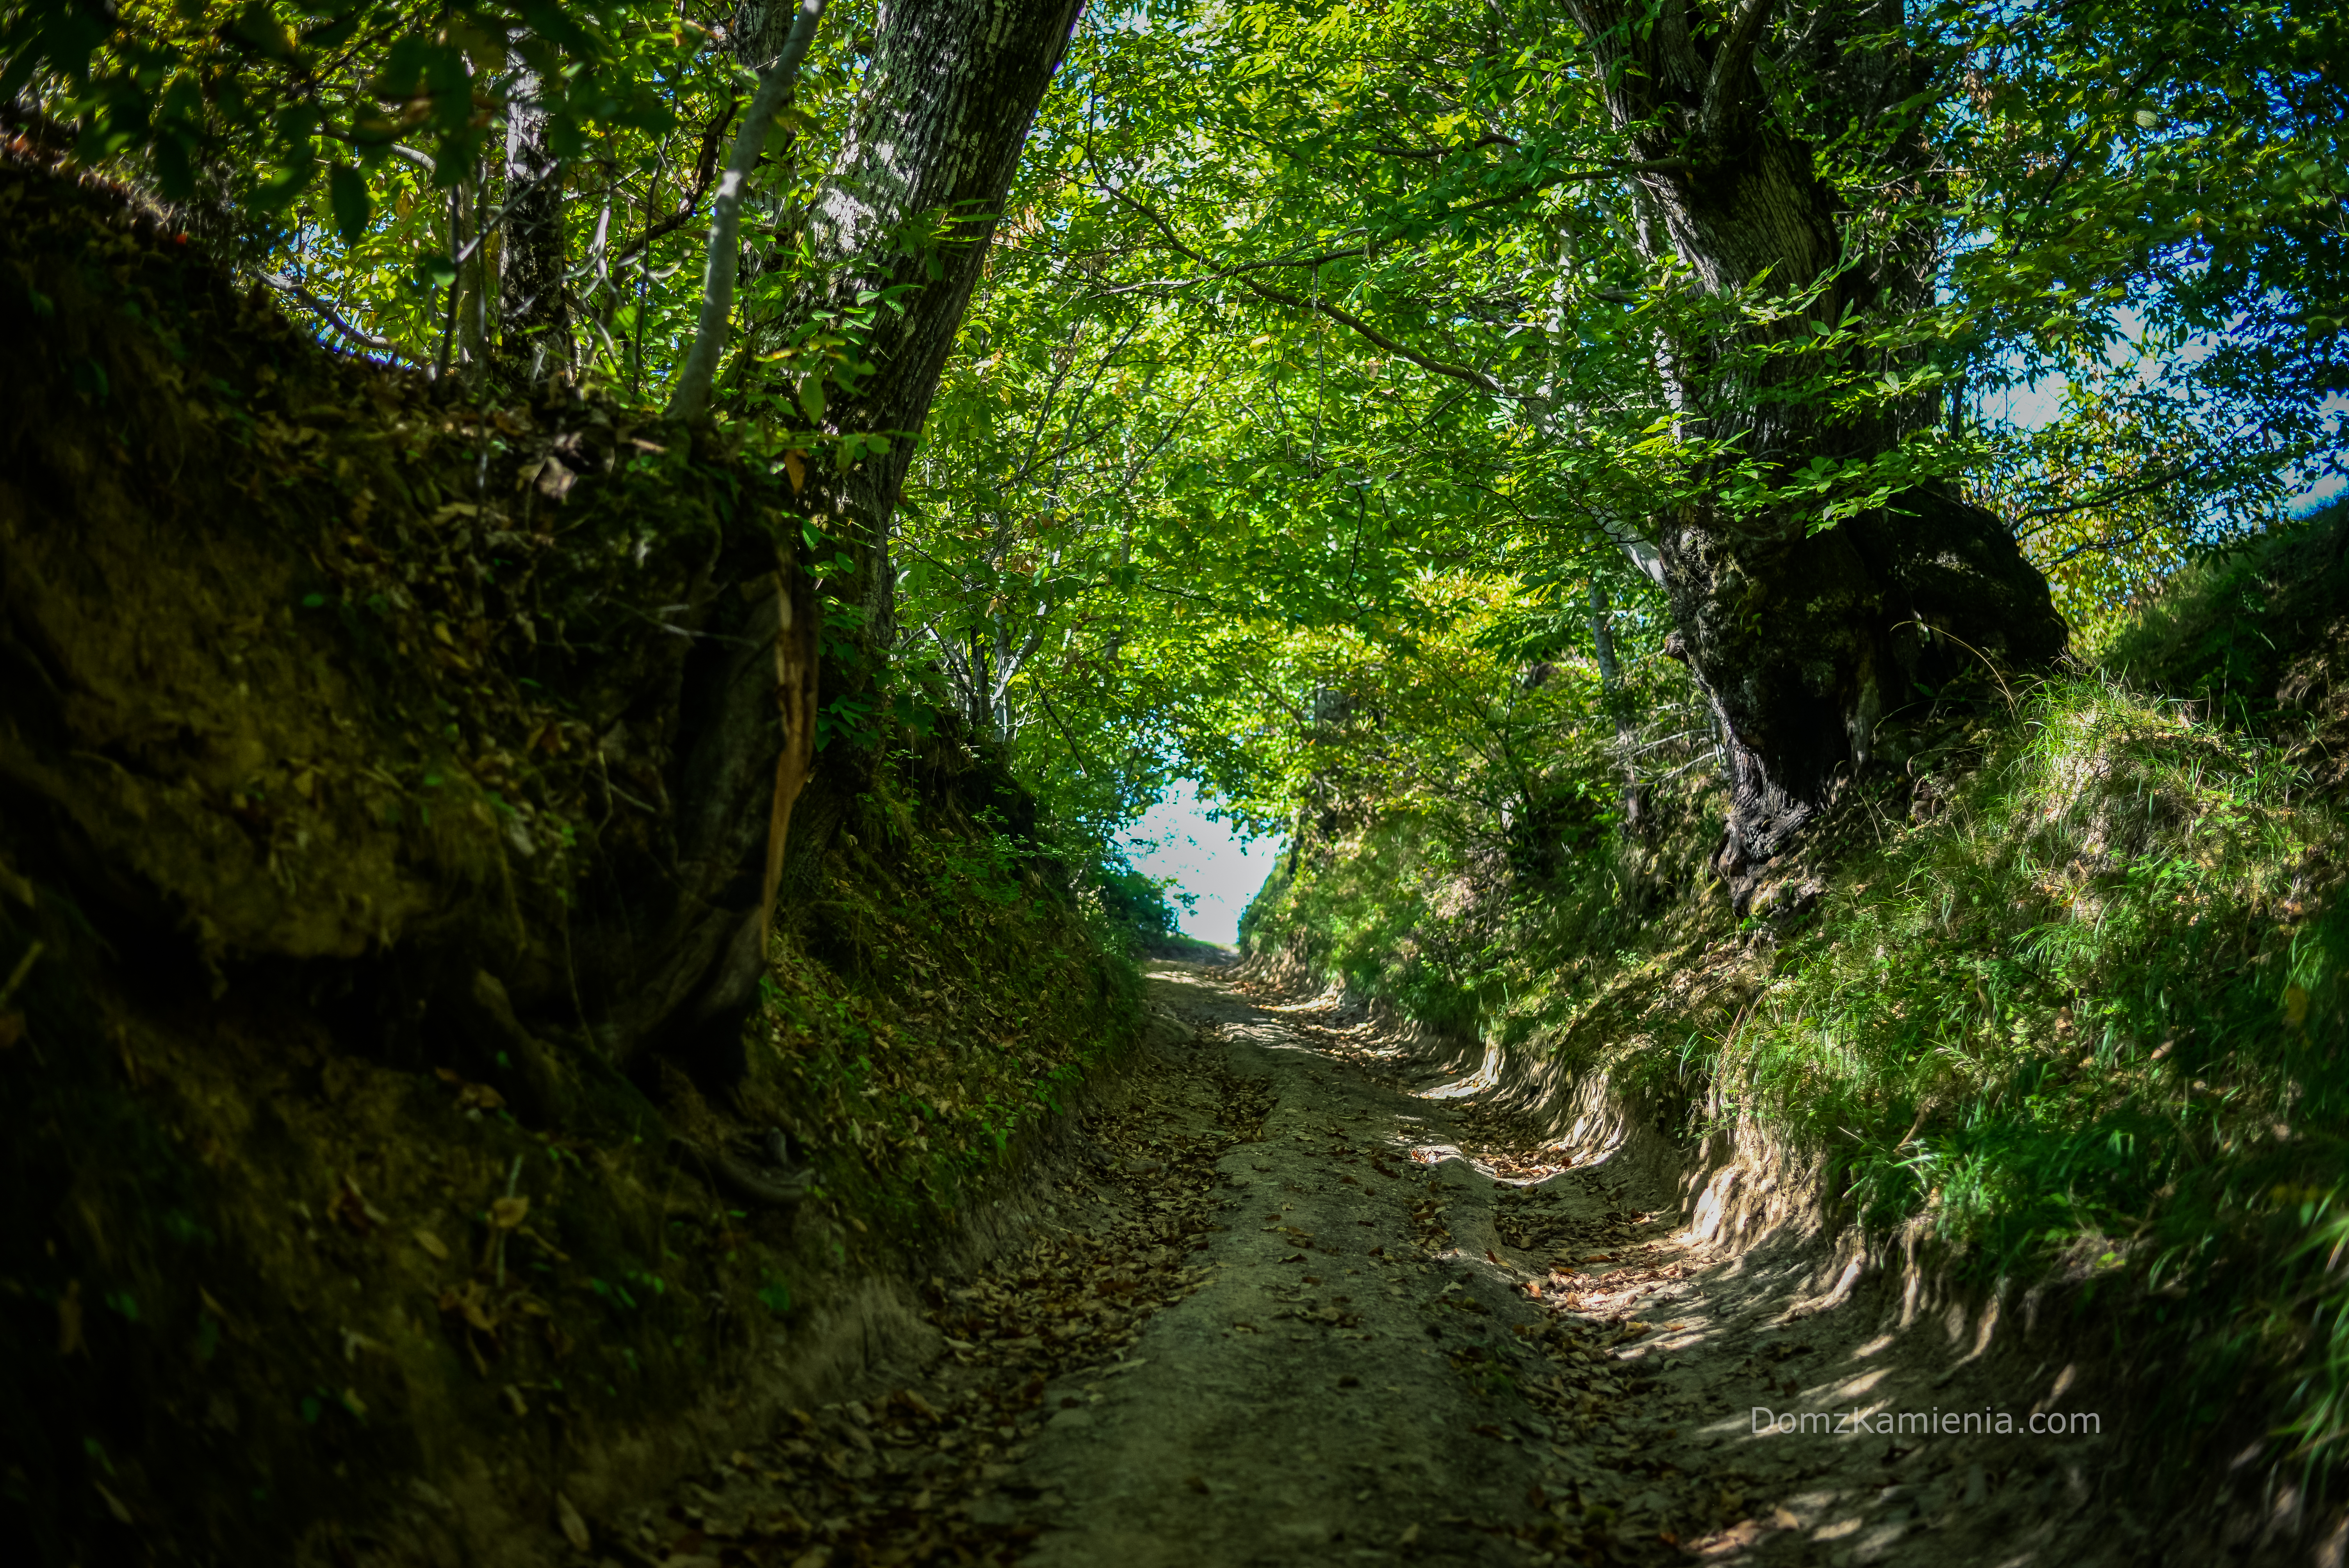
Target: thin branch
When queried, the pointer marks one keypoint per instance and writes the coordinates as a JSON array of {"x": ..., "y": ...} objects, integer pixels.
[
  {"x": 705, "y": 169},
  {"x": 2121, "y": 542},
  {"x": 1495, "y": 140},
  {"x": 775, "y": 87},
  {"x": 1467, "y": 373},
  {"x": 2129, "y": 491},
  {"x": 294, "y": 291},
  {"x": 1568, "y": 176}
]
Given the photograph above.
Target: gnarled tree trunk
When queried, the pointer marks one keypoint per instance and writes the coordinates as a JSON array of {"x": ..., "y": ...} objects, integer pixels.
[
  {"x": 1801, "y": 641},
  {"x": 954, "y": 85}
]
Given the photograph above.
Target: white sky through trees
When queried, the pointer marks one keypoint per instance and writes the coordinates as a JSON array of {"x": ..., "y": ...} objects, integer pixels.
[{"x": 1205, "y": 859}]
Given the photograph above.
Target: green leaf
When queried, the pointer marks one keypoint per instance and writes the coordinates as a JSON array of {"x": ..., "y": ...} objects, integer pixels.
[{"x": 346, "y": 192}]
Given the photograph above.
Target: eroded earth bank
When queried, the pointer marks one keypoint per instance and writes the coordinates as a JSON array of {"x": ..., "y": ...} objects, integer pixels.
[{"x": 1305, "y": 1293}]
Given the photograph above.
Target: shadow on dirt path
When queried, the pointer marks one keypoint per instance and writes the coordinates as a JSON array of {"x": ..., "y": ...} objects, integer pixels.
[{"x": 1309, "y": 1302}]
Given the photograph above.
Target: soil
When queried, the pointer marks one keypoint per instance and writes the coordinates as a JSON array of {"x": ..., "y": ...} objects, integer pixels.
[{"x": 1305, "y": 1299}]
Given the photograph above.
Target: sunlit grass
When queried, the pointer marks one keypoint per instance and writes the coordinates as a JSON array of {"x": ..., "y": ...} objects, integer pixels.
[
  {"x": 2082, "y": 1012},
  {"x": 2085, "y": 978}
]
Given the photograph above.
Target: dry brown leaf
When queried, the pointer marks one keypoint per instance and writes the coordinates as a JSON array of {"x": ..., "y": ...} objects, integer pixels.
[
  {"x": 573, "y": 1528},
  {"x": 466, "y": 1301}
]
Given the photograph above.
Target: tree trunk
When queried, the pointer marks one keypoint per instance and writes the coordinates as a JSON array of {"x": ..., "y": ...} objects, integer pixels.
[
  {"x": 1801, "y": 641},
  {"x": 670, "y": 953},
  {"x": 468, "y": 324},
  {"x": 534, "y": 316},
  {"x": 953, "y": 87},
  {"x": 1619, "y": 706}
]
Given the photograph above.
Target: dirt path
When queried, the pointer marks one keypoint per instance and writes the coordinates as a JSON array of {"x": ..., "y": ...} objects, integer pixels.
[{"x": 1314, "y": 1305}]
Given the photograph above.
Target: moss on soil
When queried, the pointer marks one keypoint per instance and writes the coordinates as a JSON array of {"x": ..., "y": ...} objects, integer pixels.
[{"x": 312, "y": 673}]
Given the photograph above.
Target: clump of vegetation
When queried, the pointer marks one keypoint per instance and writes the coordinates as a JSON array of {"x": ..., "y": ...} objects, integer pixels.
[
  {"x": 2065, "y": 988},
  {"x": 935, "y": 998}
]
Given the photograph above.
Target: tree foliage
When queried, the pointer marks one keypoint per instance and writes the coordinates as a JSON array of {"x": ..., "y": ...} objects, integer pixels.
[{"x": 1309, "y": 326}]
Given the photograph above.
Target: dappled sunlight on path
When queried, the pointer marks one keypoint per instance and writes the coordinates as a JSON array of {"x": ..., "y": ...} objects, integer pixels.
[{"x": 1305, "y": 1297}]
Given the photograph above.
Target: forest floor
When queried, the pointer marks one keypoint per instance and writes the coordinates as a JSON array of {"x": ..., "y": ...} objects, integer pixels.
[{"x": 1307, "y": 1301}]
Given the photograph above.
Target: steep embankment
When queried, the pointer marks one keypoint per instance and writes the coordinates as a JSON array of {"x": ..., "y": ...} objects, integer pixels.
[
  {"x": 387, "y": 1170},
  {"x": 2051, "y": 1017}
]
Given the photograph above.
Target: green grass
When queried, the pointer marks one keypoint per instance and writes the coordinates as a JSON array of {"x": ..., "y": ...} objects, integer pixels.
[
  {"x": 2091, "y": 1018},
  {"x": 2093, "y": 980},
  {"x": 2074, "y": 1007}
]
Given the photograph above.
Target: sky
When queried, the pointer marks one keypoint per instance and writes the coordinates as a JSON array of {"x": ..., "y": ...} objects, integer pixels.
[
  {"x": 1174, "y": 839},
  {"x": 2035, "y": 404}
]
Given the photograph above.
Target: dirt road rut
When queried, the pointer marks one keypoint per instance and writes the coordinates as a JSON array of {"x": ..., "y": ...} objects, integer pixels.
[{"x": 1306, "y": 1302}]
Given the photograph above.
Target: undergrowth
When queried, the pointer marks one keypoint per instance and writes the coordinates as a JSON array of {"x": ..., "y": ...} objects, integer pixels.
[
  {"x": 2089, "y": 1017},
  {"x": 2067, "y": 991},
  {"x": 937, "y": 995}
]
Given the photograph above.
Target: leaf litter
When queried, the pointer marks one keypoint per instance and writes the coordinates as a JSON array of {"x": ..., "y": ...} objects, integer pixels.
[{"x": 908, "y": 1475}]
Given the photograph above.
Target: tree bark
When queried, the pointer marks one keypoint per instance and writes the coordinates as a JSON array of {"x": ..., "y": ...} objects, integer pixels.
[
  {"x": 671, "y": 951},
  {"x": 1802, "y": 641},
  {"x": 953, "y": 87},
  {"x": 533, "y": 315}
]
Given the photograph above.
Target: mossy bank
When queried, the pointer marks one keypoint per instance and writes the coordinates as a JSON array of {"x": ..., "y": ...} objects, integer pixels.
[
  {"x": 2053, "y": 1002},
  {"x": 347, "y": 772}
]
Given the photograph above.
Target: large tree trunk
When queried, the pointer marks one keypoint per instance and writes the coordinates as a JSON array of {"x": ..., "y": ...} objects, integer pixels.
[
  {"x": 1801, "y": 641},
  {"x": 671, "y": 951},
  {"x": 954, "y": 85}
]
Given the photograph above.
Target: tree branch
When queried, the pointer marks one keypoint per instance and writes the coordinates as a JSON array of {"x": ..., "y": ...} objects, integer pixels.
[
  {"x": 2084, "y": 547},
  {"x": 775, "y": 87},
  {"x": 294, "y": 291},
  {"x": 2126, "y": 491},
  {"x": 705, "y": 169},
  {"x": 1566, "y": 176},
  {"x": 1467, "y": 373},
  {"x": 1494, "y": 141},
  {"x": 1731, "y": 63}
]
